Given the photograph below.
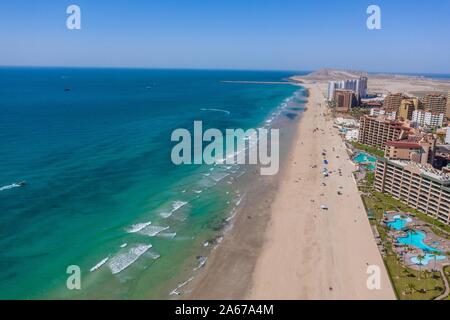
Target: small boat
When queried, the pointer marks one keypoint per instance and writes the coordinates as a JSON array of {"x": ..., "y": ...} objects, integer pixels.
[{"x": 21, "y": 183}]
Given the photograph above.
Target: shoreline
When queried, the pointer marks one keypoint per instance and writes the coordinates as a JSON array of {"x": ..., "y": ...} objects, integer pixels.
[
  {"x": 227, "y": 274},
  {"x": 294, "y": 250}
]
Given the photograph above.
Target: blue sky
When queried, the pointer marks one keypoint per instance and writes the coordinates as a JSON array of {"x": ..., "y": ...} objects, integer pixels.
[{"x": 230, "y": 34}]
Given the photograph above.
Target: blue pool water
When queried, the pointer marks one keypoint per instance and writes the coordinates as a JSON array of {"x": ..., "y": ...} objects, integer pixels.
[
  {"x": 427, "y": 258},
  {"x": 399, "y": 223},
  {"x": 365, "y": 158},
  {"x": 415, "y": 239}
]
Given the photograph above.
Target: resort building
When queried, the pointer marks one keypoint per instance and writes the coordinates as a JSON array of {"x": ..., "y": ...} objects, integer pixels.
[
  {"x": 344, "y": 100},
  {"x": 447, "y": 136},
  {"x": 426, "y": 118},
  {"x": 401, "y": 150},
  {"x": 435, "y": 102},
  {"x": 376, "y": 131},
  {"x": 332, "y": 86},
  {"x": 361, "y": 87},
  {"x": 417, "y": 185},
  {"x": 358, "y": 86},
  {"x": 407, "y": 107},
  {"x": 371, "y": 104},
  {"x": 392, "y": 102},
  {"x": 375, "y": 112},
  {"x": 448, "y": 106},
  {"x": 419, "y": 149}
]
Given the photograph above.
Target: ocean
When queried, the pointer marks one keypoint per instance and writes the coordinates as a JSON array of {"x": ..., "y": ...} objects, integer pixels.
[{"x": 101, "y": 192}]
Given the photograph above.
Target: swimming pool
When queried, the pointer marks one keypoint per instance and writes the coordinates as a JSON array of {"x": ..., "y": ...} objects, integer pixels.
[
  {"x": 427, "y": 258},
  {"x": 368, "y": 160},
  {"x": 416, "y": 239},
  {"x": 398, "y": 223}
]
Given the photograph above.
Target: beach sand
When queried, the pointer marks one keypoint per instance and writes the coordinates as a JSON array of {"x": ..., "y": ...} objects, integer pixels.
[
  {"x": 310, "y": 253},
  {"x": 284, "y": 246}
]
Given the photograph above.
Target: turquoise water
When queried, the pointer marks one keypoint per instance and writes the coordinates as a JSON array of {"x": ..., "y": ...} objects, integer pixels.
[
  {"x": 416, "y": 239},
  {"x": 365, "y": 158},
  {"x": 426, "y": 259},
  {"x": 399, "y": 223},
  {"x": 94, "y": 147}
]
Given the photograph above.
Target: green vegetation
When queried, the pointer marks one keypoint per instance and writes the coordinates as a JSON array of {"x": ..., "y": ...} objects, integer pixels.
[
  {"x": 372, "y": 150},
  {"x": 447, "y": 274},
  {"x": 409, "y": 284},
  {"x": 370, "y": 178},
  {"x": 437, "y": 227},
  {"x": 358, "y": 112},
  {"x": 413, "y": 284}
]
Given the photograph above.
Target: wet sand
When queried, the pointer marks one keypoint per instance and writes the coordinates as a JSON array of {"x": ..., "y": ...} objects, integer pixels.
[{"x": 283, "y": 246}]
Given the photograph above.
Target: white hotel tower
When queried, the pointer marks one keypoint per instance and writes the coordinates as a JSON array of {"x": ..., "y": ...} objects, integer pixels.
[{"x": 359, "y": 86}]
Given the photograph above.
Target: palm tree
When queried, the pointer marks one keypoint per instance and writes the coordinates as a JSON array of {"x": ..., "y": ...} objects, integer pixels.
[
  {"x": 411, "y": 287},
  {"x": 435, "y": 254},
  {"x": 420, "y": 258}
]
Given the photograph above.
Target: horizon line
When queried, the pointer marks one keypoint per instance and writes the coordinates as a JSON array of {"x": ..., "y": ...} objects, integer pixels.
[{"x": 224, "y": 69}]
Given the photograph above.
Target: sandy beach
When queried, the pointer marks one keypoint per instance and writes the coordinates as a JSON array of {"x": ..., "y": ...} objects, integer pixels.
[
  {"x": 291, "y": 248},
  {"x": 310, "y": 253}
]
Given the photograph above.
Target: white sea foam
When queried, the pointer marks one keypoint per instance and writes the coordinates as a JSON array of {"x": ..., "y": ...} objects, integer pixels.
[
  {"x": 201, "y": 262},
  {"x": 217, "y": 110},
  {"x": 175, "y": 206},
  {"x": 124, "y": 260},
  {"x": 238, "y": 202},
  {"x": 11, "y": 186},
  {"x": 176, "y": 292},
  {"x": 219, "y": 176},
  {"x": 152, "y": 231},
  {"x": 138, "y": 227},
  {"x": 98, "y": 265},
  {"x": 167, "y": 235},
  {"x": 153, "y": 255}
]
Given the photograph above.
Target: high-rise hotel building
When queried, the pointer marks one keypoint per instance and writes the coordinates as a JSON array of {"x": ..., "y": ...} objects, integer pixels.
[
  {"x": 435, "y": 103},
  {"x": 358, "y": 86},
  {"x": 419, "y": 186},
  {"x": 375, "y": 131},
  {"x": 448, "y": 106},
  {"x": 392, "y": 102}
]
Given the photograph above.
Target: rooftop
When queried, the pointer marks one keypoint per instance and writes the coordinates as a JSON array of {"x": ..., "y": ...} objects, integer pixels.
[
  {"x": 403, "y": 144},
  {"x": 424, "y": 170}
]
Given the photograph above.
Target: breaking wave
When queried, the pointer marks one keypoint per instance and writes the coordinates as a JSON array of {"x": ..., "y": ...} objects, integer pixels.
[{"x": 124, "y": 260}]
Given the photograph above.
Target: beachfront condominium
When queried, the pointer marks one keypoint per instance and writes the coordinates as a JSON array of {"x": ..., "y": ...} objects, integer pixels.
[
  {"x": 375, "y": 112},
  {"x": 419, "y": 148},
  {"x": 448, "y": 106},
  {"x": 417, "y": 185},
  {"x": 427, "y": 118},
  {"x": 358, "y": 86},
  {"x": 407, "y": 107},
  {"x": 435, "y": 102},
  {"x": 361, "y": 87},
  {"x": 344, "y": 100},
  {"x": 447, "y": 135},
  {"x": 393, "y": 101},
  {"x": 405, "y": 150},
  {"x": 375, "y": 131}
]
